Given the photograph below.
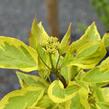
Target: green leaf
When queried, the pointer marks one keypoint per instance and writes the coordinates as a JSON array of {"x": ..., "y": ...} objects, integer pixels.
[
  {"x": 66, "y": 73},
  {"x": 43, "y": 63},
  {"x": 97, "y": 92},
  {"x": 67, "y": 59},
  {"x": 105, "y": 92},
  {"x": 75, "y": 103},
  {"x": 101, "y": 105},
  {"x": 31, "y": 80},
  {"x": 99, "y": 74},
  {"x": 69, "y": 72},
  {"x": 56, "y": 59},
  {"x": 91, "y": 34},
  {"x": 105, "y": 39},
  {"x": 37, "y": 34},
  {"x": 45, "y": 102},
  {"x": 44, "y": 56},
  {"x": 65, "y": 41},
  {"x": 88, "y": 51},
  {"x": 14, "y": 54},
  {"x": 22, "y": 99},
  {"x": 96, "y": 76},
  {"x": 87, "y": 57},
  {"x": 60, "y": 106},
  {"x": 80, "y": 100},
  {"x": 83, "y": 95},
  {"x": 35, "y": 108},
  {"x": 58, "y": 94}
]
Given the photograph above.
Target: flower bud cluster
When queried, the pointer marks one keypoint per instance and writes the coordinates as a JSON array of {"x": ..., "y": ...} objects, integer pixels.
[{"x": 52, "y": 45}]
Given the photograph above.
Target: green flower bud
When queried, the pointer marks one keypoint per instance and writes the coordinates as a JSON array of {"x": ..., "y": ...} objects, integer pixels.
[{"x": 52, "y": 45}]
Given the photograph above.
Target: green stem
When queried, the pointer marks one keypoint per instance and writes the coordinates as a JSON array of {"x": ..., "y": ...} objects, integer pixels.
[
  {"x": 55, "y": 71},
  {"x": 49, "y": 79},
  {"x": 52, "y": 66},
  {"x": 58, "y": 61},
  {"x": 61, "y": 78}
]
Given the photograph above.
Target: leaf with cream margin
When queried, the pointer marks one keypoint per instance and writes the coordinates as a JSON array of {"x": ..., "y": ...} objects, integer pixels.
[
  {"x": 75, "y": 103},
  {"x": 80, "y": 100},
  {"x": 102, "y": 105},
  {"x": 105, "y": 39},
  {"x": 83, "y": 95},
  {"x": 105, "y": 92},
  {"x": 58, "y": 94},
  {"x": 86, "y": 52},
  {"x": 90, "y": 35},
  {"x": 65, "y": 41},
  {"x": 69, "y": 72},
  {"x": 31, "y": 80},
  {"x": 38, "y": 36},
  {"x": 44, "y": 64},
  {"x": 99, "y": 74},
  {"x": 97, "y": 93},
  {"x": 66, "y": 72},
  {"x": 35, "y": 108},
  {"x": 46, "y": 102},
  {"x": 22, "y": 99},
  {"x": 14, "y": 54}
]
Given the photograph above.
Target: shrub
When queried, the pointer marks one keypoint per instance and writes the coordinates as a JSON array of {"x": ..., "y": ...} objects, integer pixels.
[{"x": 70, "y": 75}]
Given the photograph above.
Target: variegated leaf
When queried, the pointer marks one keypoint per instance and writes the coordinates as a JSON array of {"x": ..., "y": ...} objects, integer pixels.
[
  {"x": 37, "y": 35},
  {"x": 99, "y": 74},
  {"x": 59, "y": 94},
  {"x": 31, "y": 80},
  {"x": 86, "y": 52},
  {"x": 14, "y": 54},
  {"x": 22, "y": 99},
  {"x": 65, "y": 41}
]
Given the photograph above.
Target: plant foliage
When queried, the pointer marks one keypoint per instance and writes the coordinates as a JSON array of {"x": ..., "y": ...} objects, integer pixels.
[{"x": 70, "y": 75}]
